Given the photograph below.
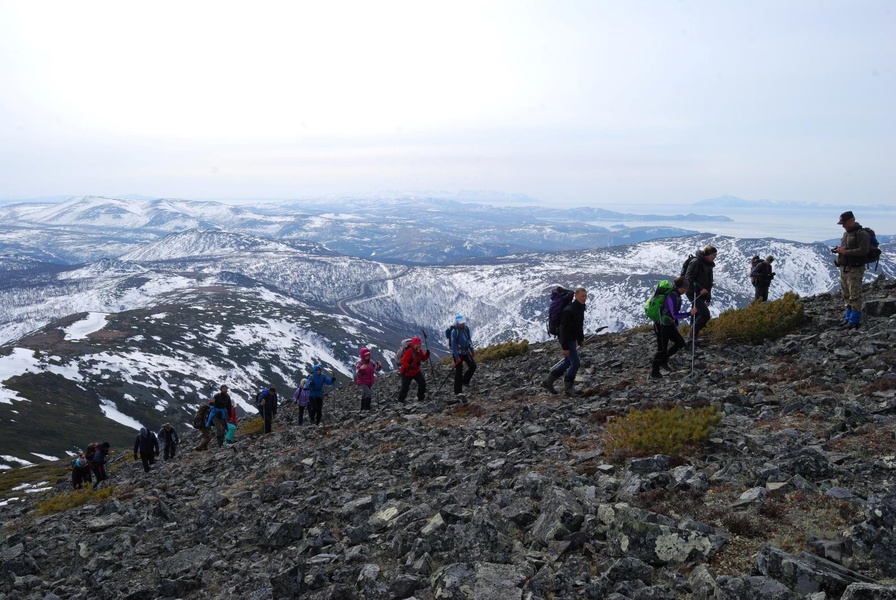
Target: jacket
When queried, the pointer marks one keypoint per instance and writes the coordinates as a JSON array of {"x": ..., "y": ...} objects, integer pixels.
[
  {"x": 365, "y": 372},
  {"x": 411, "y": 361},
  {"x": 461, "y": 341},
  {"x": 222, "y": 400},
  {"x": 699, "y": 276},
  {"x": 270, "y": 402},
  {"x": 572, "y": 326},
  {"x": 315, "y": 383},
  {"x": 670, "y": 312},
  {"x": 167, "y": 437},
  {"x": 763, "y": 273},
  {"x": 857, "y": 244},
  {"x": 146, "y": 443}
]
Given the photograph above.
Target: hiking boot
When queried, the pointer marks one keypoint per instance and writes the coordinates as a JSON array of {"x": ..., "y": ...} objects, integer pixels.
[
  {"x": 568, "y": 387},
  {"x": 548, "y": 384},
  {"x": 655, "y": 373},
  {"x": 664, "y": 366},
  {"x": 853, "y": 325}
]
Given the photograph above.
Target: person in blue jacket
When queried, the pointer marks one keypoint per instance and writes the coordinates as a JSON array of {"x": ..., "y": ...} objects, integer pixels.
[
  {"x": 462, "y": 351},
  {"x": 315, "y": 386},
  {"x": 268, "y": 406}
]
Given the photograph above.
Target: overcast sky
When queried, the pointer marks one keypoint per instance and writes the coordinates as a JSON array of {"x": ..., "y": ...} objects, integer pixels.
[{"x": 597, "y": 102}]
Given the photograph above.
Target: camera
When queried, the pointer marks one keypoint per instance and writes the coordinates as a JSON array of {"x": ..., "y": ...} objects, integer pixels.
[{"x": 834, "y": 250}]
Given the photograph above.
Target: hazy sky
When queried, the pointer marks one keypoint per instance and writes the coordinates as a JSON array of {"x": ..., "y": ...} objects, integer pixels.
[{"x": 599, "y": 102}]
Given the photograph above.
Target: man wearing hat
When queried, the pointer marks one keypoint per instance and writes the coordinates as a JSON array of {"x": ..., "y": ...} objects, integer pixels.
[
  {"x": 851, "y": 255},
  {"x": 699, "y": 277},
  {"x": 462, "y": 351},
  {"x": 762, "y": 276}
]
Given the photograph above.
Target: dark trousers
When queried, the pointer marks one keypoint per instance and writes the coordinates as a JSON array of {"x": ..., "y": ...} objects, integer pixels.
[
  {"x": 761, "y": 292},
  {"x": 406, "y": 386},
  {"x": 664, "y": 335},
  {"x": 460, "y": 378},
  {"x": 302, "y": 414},
  {"x": 268, "y": 421},
  {"x": 315, "y": 409},
  {"x": 703, "y": 315},
  {"x": 80, "y": 476},
  {"x": 170, "y": 449},
  {"x": 99, "y": 473},
  {"x": 148, "y": 459},
  {"x": 220, "y": 429}
]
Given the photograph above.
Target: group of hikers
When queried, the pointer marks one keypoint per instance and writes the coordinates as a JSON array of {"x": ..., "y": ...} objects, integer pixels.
[{"x": 857, "y": 248}]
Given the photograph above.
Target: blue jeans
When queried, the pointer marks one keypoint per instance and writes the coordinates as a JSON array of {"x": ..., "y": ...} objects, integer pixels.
[{"x": 569, "y": 364}]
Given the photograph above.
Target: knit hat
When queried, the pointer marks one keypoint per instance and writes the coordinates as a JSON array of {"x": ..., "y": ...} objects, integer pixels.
[
  {"x": 460, "y": 320},
  {"x": 709, "y": 251},
  {"x": 416, "y": 342}
]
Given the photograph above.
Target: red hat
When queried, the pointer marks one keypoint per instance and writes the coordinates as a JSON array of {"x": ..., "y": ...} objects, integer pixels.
[
  {"x": 416, "y": 342},
  {"x": 363, "y": 352}
]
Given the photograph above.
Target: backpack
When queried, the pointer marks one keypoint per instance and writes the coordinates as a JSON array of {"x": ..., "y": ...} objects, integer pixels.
[
  {"x": 560, "y": 299},
  {"x": 258, "y": 397},
  {"x": 686, "y": 264},
  {"x": 91, "y": 450},
  {"x": 201, "y": 416},
  {"x": 753, "y": 262},
  {"x": 654, "y": 305},
  {"x": 873, "y": 248},
  {"x": 448, "y": 333}
]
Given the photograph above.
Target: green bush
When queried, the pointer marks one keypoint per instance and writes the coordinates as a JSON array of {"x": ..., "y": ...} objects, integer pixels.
[
  {"x": 503, "y": 350},
  {"x": 65, "y": 501},
  {"x": 659, "y": 430},
  {"x": 758, "y": 322}
]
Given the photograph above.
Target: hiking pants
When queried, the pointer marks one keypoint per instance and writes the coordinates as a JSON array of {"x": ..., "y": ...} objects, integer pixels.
[
  {"x": 220, "y": 428},
  {"x": 268, "y": 421},
  {"x": 460, "y": 378},
  {"x": 568, "y": 366},
  {"x": 406, "y": 385},
  {"x": 366, "y": 396},
  {"x": 302, "y": 414},
  {"x": 231, "y": 433},
  {"x": 99, "y": 473},
  {"x": 703, "y": 315},
  {"x": 170, "y": 449},
  {"x": 761, "y": 291},
  {"x": 851, "y": 286},
  {"x": 206, "y": 438},
  {"x": 147, "y": 458},
  {"x": 664, "y": 335},
  {"x": 315, "y": 409}
]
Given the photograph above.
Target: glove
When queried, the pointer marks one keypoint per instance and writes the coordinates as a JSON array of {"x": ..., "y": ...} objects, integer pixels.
[{"x": 457, "y": 361}]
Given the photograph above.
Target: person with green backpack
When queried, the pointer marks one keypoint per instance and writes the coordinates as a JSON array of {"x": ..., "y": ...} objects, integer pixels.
[{"x": 664, "y": 309}]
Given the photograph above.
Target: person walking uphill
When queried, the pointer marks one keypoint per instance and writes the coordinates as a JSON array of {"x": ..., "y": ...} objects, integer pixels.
[
  {"x": 851, "y": 254},
  {"x": 168, "y": 440},
  {"x": 365, "y": 376},
  {"x": 147, "y": 446},
  {"x": 268, "y": 407},
  {"x": 315, "y": 386},
  {"x": 699, "y": 277},
  {"x": 221, "y": 405},
  {"x": 462, "y": 351},
  {"x": 410, "y": 369},
  {"x": 762, "y": 276},
  {"x": 571, "y": 334},
  {"x": 667, "y": 328}
]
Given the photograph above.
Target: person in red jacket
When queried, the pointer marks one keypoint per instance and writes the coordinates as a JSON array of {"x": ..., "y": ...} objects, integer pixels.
[
  {"x": 411, "y": 360},
  {"x": 365, "y": 376}
]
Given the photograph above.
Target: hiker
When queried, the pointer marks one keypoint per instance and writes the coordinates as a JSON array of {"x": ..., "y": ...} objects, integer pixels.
[
  {"x": 221, "y": 403},
  {"x": 666, "y": 328},
  {"x": 571, "y": 334},
  {"x": 232, "y": 424},
  {"x": 851, "y": 254},
  {"x": 199, "y": 420},
  {"x": 412, "y": 358},
  {"x": 315, "y": 386},
  {"x": 365, "y": 376},
  {"x": 761, "y": 276},
  {"x": 168, "y": 440},
  {"x": 80, "y": 472},
  {"x": 98, "y": 459},
  {"x": 300, "y": 398},
  {"x": 147, "y": 446},
  {"x": 462, "y": 352},
  {"x": 699, "y": 277},
  {"x": 268, "y": 406}
]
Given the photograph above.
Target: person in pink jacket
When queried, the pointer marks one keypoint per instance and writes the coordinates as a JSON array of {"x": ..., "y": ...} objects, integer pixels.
[{"x": 365, "y": 375}]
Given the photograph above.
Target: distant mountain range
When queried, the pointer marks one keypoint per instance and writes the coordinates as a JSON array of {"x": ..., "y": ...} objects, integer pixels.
[
  {"x": 185, "y": 304},
  {"x": 729, "y": 201}
]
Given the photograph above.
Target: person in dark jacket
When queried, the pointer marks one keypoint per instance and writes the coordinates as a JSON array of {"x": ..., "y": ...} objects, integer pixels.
[
  {"x": 462, "y": 352},
  {"x": 699, "y": 278},
  {"x": 571, "y": 335},
  {"x": 168, "y": 440},
  {"x": 667, "y": 328},
  {"x": 315, "y": 386},
  {"x": 851, "y": 253},
  {"x": 98, "y": 460},
  {"x": 269, "y": 402},
  {"x": 147, "y": 447},
  {"x": 221, "y": 405},
  {"x": 410, "y": 368},
  {"x": 761, "y": 276}
]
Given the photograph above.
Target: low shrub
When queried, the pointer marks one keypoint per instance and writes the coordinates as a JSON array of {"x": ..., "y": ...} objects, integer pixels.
[
  {"x": 759, "y": 321},
  {"x": 496, "y": 352},
  {"x": 253, "y": 426},
  {"x": 68, "y": 500},
  {"x": 659, "y": 430}
]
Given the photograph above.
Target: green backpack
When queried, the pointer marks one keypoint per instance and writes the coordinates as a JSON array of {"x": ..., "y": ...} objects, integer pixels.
[{"x": 653, "y": 306}]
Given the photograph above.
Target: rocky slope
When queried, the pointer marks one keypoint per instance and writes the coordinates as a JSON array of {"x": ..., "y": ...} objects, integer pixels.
[{"x": 511, "y": 494}]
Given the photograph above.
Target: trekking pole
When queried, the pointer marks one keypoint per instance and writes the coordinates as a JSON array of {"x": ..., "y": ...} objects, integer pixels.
[
  {"x": 448, "y": 376},
  {"x": 432, "y": 369}
]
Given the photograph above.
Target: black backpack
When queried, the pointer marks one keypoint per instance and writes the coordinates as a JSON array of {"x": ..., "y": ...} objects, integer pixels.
[
  {"x": 753, "y": 262},
  {"x": 686, "y": 264},
  {"x": 873, "y": 248},
  {"x": 448, "y": 333},
  {"x": 560, "y": 299}
]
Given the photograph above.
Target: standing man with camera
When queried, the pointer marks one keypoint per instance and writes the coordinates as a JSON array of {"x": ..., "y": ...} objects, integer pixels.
[{"x": 851, "y": 256}]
